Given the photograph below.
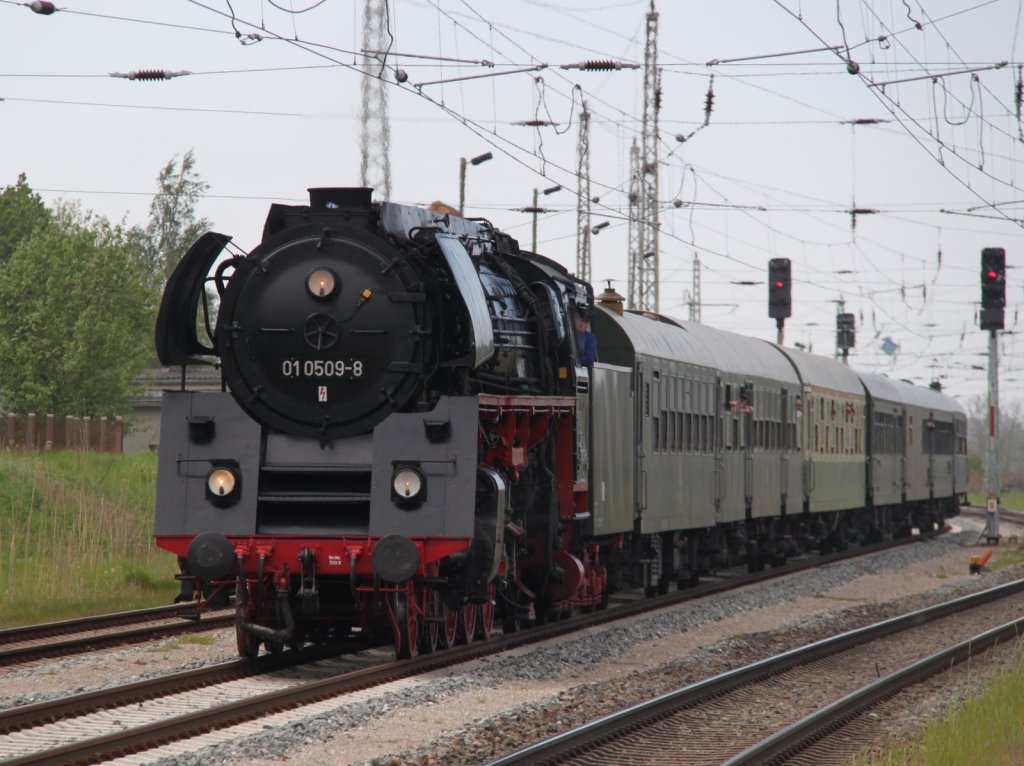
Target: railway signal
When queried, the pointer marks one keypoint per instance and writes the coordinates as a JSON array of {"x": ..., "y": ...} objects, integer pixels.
[
  {"x": 993, "y": 303},
  {"x": 993, "y": 287},
  {"x": 845, "y": 334},
  {"x": 780, "y": 293}
]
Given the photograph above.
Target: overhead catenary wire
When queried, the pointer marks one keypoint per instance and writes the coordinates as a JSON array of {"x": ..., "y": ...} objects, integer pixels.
[
  {"x": 739, "y": 198},
  {"x": 895, "y": 108}
]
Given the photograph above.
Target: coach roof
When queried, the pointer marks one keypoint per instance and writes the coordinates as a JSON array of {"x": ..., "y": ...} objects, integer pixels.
[{"x": 666, "y": 338}]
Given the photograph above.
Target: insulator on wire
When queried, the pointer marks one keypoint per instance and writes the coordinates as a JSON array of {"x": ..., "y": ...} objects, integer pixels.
[
  {"x": 709, "y": 100},
  {"x": 600, "y": 65},
  {"x": 535, "y": 123},
  {"x": 149, "y": 74},
  {"x": 42, "y": 7}
]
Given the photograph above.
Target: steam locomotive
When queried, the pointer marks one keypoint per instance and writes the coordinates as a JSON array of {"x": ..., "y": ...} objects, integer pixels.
[{"x": 409, "y": 443}]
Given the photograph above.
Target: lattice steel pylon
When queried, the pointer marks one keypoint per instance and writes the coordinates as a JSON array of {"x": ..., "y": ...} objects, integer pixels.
[
  {"x": 647, "y": 295},
  {"x": 695, "y": 298},
  {"x": 375, "y": 132},
  {"x": 583, "y": 196},
  {"x": 636, "y": 229}
]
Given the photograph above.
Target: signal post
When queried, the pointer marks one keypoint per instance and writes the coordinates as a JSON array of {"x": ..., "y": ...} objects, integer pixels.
[
  {"x": 993, "y": 303},
  {"x": 780, "y": 294}
]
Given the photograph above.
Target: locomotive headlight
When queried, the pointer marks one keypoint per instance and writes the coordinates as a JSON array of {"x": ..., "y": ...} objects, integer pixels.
[
  {"x": 321, "y": 283},
  {"x": 221, "y": 482},
  {"x": 407, "y": 484}
]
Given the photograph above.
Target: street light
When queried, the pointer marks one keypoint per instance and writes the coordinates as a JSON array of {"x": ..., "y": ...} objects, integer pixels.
[
  {"x": 462, "y": 176},
  {"x": 534, "y": 209}
]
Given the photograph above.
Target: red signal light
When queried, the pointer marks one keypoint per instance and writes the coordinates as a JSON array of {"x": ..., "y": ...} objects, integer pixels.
[
  {"x": 780, "y": 284},
  {"x": 993, "y": 275}
]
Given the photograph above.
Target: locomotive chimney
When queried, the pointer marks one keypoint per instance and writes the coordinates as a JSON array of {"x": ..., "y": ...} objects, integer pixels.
[{"x": 340, "y": 197}]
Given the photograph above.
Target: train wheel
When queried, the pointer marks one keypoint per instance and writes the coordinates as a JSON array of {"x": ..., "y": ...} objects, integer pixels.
[
  {"x": 245, "y": 610},
  {"x": 406, "y": 623},
  {"x": 433, "y": 612},
  {"x": 449, "y": 627},
  {"x": 512, "y": 612},
  {"x": 485, "y": 615},
  {"x": 467, "y": 624}
]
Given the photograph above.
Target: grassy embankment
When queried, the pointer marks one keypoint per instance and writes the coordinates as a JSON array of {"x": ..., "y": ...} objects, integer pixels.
[
  {"x": 987, "y": 727},
  {"x": 76, "y": 536},
  {"x": 1010, "y": 499}
]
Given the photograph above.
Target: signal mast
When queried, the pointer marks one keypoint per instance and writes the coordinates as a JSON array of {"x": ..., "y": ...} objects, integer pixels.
[
  {"x": 993, "y": 303},
  {"x": 780, "y": 294}
]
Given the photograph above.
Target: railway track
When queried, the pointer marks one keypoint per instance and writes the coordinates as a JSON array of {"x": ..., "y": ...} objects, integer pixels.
[
  {"x": 1011, "y": 517},
  {"x": 66, "y": 637},
  {"x": 831, "y": 733},
  {"x": 91, "y": 727},
  {"x": 57, "y": 639},
  {"x": 751, "y": 709}
]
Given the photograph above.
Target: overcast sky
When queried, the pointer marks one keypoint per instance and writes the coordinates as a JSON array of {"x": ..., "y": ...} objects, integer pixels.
[{"x": 275, "y": 109}]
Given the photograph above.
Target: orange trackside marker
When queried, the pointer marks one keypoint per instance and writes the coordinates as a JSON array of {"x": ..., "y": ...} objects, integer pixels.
[{"x": 978, "y": 562}]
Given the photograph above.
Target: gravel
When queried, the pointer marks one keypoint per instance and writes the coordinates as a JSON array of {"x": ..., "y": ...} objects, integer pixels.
[{"x": 480, "y": 709}]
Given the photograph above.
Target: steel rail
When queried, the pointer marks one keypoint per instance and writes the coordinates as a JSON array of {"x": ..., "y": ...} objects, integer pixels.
[
  {"x": 590, "y": 734},
  {"x": 1012, "y": 517},
  {"x": 49, "y": 711},
  {"x": 797, "y": 736},
  {"x": 17, "y": 654},
  {"x": 90, "y": 622},
  {"x": 181, "y": 727}
]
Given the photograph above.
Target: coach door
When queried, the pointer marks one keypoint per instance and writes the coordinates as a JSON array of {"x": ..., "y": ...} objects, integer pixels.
[
  {"x": 930, "y": 439},
  {"x": 904, "y": 447},
  {"x": 746, "y": 409},
  {"x": 643, "y": 427},
  {"x": 783, "y": 446},
  {"x": 721, "y": 424}
]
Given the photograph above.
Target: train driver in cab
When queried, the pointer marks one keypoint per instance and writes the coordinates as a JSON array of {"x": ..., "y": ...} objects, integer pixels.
[{"x": 586, "y": 343}]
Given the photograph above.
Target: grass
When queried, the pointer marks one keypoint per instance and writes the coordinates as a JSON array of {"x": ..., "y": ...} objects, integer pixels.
[
  {"x": 1012, "y": 499},
  {"x": 76, "y": 536},
  {"x": 986, "y": 728},
  {"x": 1005, "y": 557}
]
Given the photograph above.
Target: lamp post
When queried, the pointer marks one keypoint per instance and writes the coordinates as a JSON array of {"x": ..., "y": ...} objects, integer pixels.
[
  {"x": 462, "y": 176},
  {"x": 534, "y": 209}
]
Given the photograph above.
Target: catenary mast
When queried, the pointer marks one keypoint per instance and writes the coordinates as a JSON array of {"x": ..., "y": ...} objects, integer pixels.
[
  {"x": 375, "y": 131},
  {"x": 647, "y": 262},
  {"x": 583, "y": 197},
  {"x": 636, "y": 228}
]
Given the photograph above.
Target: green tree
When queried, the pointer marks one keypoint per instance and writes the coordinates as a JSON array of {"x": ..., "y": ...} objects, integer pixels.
[
  {"x": 79, "y": 301},
  {"x": 21, "y": 211},
  {"x": 1010, "y": 441},
  {"x": 173, "y": 225}
]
